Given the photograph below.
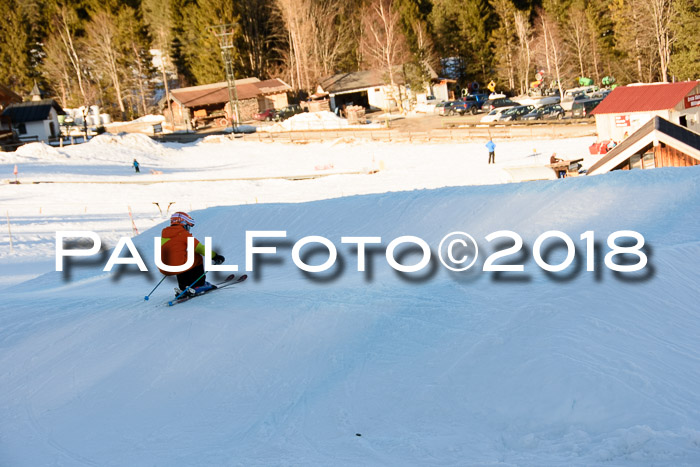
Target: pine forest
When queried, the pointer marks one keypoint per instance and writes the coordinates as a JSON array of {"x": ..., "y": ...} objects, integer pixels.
[{"x": 117, "y": 54}]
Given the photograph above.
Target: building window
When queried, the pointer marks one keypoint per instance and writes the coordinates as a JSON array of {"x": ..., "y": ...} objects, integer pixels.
[
  {"x": 648, "y": 161},
  {"x": 636, "y": 162},
  {"x": 22, "y": 129}
]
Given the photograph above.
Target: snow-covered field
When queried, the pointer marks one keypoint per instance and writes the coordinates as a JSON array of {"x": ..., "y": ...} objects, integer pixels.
[{"x": 345, "y": 367}]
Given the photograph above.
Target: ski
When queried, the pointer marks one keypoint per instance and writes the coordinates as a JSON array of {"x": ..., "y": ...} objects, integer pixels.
[{"x": 229, "y": 281}]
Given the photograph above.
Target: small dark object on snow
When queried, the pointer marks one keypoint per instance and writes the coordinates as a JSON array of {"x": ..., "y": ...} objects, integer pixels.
[{"x": 358, "y": 434}]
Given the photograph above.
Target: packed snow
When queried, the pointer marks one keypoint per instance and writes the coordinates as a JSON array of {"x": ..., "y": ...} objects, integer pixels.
[{"x": 347, "y": 367}]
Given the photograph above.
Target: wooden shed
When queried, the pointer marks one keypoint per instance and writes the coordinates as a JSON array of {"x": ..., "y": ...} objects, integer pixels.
[
  {"x": 658, "y": 143},
  {"x": 212, "y": 100}
]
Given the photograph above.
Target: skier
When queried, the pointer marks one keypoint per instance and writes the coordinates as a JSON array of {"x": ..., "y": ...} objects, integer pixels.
[
  {"x": 136, "y": 166},
  {"x": 491, "y": 146},
  {"x": 174, "y": 253}
]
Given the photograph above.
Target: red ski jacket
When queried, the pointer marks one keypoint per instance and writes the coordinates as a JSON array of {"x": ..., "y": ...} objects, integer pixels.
[{"x": 173, "y": 248}]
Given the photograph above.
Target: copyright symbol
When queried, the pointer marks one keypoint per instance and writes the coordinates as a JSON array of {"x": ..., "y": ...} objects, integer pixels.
[{"x": 460, "y": 248}]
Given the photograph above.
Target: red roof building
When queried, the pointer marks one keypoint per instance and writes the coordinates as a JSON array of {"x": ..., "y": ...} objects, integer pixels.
[{"x": 628, "y": 108}]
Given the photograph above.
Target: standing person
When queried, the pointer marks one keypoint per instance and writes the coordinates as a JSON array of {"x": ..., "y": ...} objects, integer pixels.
[
  {"x": 173, "y": 248},
  {"x": 136, "y": 166},
  {"x": 491, "y": 146}
]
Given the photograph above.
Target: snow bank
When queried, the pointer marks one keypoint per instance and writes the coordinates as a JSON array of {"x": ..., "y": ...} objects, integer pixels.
[
  {"x": 324, "y": 120},
  {"x": 39, "y": 152},
  {"x": 134, "y": 141},
  {"x": 150, "y": 119}
]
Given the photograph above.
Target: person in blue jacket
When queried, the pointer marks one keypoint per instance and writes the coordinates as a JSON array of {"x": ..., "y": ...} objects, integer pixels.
[
  {"x": 136, "y": 166},
  {"x": 491, "y": 146}
]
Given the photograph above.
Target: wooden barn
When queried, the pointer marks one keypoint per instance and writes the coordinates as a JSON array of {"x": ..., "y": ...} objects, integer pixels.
[
  {"x": 209, "y": 103},
  {"x": 658, "y": 143}
]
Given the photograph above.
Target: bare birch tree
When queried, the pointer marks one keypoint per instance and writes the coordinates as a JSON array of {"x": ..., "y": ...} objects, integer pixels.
[
  {"x": 316, "y": 38},
  {"x": 56, "y": 69},
  {"x": 384, "y": 44},
  {"x": 65, "y": 21},
  {"x": 662, "y": 14},
  {"x": 553, "y": 49},
  {"x": 578, "y": 36},
  {"x": 524, "y": 33},
  {"x": 295, "y": 14},
  {"x": 101, "y": 44},
  {"x": 593, "y": 46}
]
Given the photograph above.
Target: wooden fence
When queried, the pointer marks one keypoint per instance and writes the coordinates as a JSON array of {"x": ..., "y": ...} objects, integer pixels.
[{"x": 462, "y": 133}]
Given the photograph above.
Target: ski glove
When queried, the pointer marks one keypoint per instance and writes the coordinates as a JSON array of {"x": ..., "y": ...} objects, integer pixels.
[{"x": 218, "y": 259}]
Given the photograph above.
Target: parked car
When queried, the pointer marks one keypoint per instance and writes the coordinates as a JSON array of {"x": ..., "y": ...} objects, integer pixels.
[
  {"x": 491, "y": 104},
  {"x": 494, "y": 114},
  {"x": 474, "y": 102},
  {"x": 439, "y": 106},
  {"x": 514, "y": 113},
  {"x": 266, "y": 115},
  {"x": 568, "y": 101},
  {"x": 582, "y": 109},
  {"x": 602, "y": 94},
  {"x": 456, "y": 107},
  {"x": 546, "y": 112},
  {"x": 289, "y": 111}
]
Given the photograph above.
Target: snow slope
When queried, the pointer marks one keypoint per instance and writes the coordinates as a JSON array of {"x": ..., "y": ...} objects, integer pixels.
[{"x": 431, "y": 368}]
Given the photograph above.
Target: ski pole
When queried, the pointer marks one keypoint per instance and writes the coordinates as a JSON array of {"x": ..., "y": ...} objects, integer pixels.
[
  {"x": 154, "y": 288},
  {"x": 188, "y": 288}
]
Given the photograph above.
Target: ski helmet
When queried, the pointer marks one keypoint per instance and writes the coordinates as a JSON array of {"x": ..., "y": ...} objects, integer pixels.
[{"x": 182, "y": 218}]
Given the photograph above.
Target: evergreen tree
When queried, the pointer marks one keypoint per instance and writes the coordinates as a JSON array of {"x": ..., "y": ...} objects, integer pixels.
[
  {"x": 685, "y": 59},
  {"x": 503, "y": 41},
  {"x": 463, "y": 30},
  {"x": 178, "y": 41},
  {"x": 414, "y": 14},
  {"x": 195, "y": 48},
  {"x": 476, "y": 20},
  {"x": 15, "y": 52}
]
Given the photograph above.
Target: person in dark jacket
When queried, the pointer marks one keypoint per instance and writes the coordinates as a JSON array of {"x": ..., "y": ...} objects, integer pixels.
[
  {"x": 491, "y": 146},
  {"x": 173, "y": 247}
]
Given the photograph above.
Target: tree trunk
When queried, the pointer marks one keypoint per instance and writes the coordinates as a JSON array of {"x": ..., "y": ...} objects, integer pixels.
[
  {"x": 67, "y": 39},
  {"x": 139, "y": 79}
]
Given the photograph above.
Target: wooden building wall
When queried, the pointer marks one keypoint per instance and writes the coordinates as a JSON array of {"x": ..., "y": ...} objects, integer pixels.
[
  {"x": 666, "y": 156},
  {"x": 272, "y": 101},
  {"x": 178, "y": 117}
]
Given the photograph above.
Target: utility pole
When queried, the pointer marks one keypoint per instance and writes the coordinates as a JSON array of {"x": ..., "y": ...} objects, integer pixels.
[
  {"x": 165, "y": 77},
  {"x": 224, "y": 32}
]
